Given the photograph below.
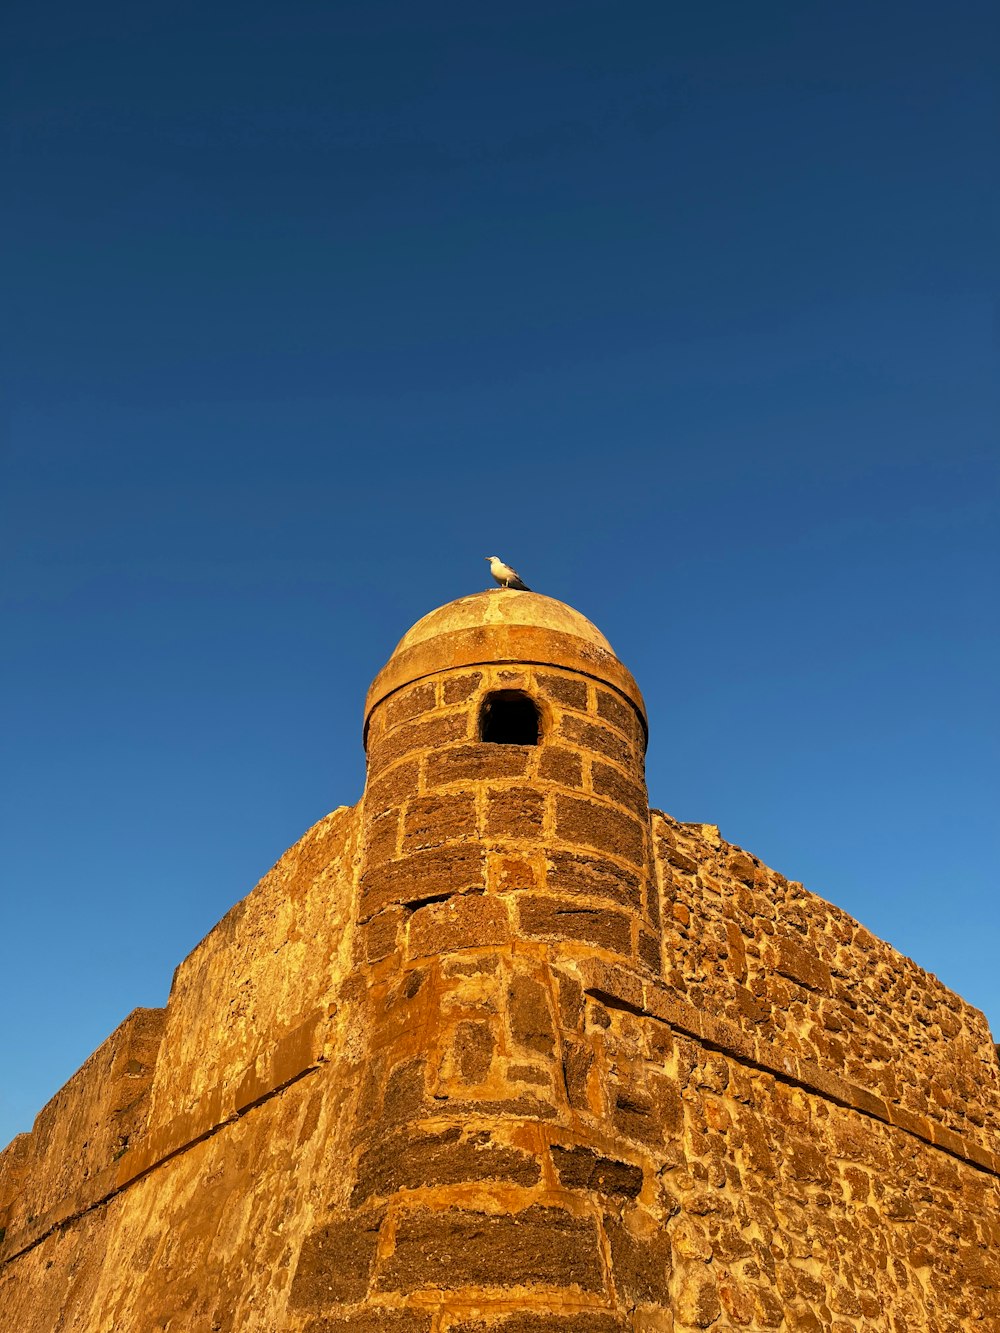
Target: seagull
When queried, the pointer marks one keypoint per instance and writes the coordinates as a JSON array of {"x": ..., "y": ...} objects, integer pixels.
[{"x": 504, "y": 575}]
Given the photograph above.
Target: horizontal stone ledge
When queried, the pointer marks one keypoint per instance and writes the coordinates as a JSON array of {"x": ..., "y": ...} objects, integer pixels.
[
  {"x": 619, "y": 987},
  {"x": 299, "y": 1052}
]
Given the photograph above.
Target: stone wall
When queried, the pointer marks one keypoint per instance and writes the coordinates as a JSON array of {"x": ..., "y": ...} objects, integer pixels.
[
  {"x": 500, "y": 1132},
  {"x": 744, "y": 942},
  {"x": 500, "y": 1049}
]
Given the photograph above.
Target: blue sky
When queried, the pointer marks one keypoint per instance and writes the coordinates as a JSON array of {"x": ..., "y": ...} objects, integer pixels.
[{"x": 683, "y": 309}]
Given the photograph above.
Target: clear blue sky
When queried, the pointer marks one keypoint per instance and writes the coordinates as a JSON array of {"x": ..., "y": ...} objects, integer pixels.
[{"x": 682, "y": 308}]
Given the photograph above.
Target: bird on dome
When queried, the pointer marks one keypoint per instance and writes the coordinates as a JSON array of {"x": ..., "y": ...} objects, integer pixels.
[{"x": 504, "y": 575}]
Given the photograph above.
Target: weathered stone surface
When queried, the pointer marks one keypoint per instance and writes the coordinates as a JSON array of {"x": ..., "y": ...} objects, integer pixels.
[
  {"x": 425, "y": 734},
  {"x": 530, "y": 1019},
  {"x": 593, "y": 877},
  {"x": 641, "y": 1264},
  {"x": 435, "y": 1073},
  {"x": 426, "y": 874},
  {"x": 476, "y": 763},
  {"x": 469, "y": 921},
  {"x": 550, "y": 917},
  {"x": 611, "y": 782},
  {"x": 462, "y": 1247},
  {"x": 590, "y": 1321},
  {"x": 613, "y": 708},
  {"x": 560, "y": 765},
  {"x": 515, "y": 813},
  {"x": 593, "y": 824},
  {"x": 415, "y": 1160},
  {"x": 457, "y": 689},
  {"x": 570, "y": 691},
  {"x": 410, "y": 703},
  {"x": 600, "y": 740},
  {"x": 696, "y": 1301},
  {"x": 583, "y": 1168},
  {"x": 474, "y": 1047},
  {"x": 433, "y": 820},
  {"x": 377, "y": 1320},
  {"x": 335, "y": 1263}
]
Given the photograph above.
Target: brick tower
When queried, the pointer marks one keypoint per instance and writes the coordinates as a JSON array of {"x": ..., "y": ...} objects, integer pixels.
[{"x": 501, "y": 1050}]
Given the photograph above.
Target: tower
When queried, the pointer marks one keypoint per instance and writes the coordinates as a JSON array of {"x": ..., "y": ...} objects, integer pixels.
[
  {"x": 506, "y": 855},
  {"x": 506, "y": 788}
]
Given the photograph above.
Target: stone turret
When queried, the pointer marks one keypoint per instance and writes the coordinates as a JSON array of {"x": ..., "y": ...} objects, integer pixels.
[
  {"x": 505, "y": 749},
  {"x": 500, "y": 1050}
]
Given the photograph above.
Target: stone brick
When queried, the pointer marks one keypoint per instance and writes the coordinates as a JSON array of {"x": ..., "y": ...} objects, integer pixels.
[
  {"x": 738, "y": 1301},
  {"x": 649, "y": 950},
  {"x": 476, "y": 763},
  {"x": 413, "y": 879},
  {"x": 381, "y": 836},
  {"x": 511, "y": 872},
  {"x": 570, "y": 994},
  {"x": 530, "y": 1019},
  {"x": 473, "y": 1049},
  {"x": 405, "y": 1091},
  {"x": 599, "y": 740},
  {"x": 802, "y": 965},
  {"x": 611, "y": 782},
  {"x": 637, "y": 1115},
  {"x": 468, "y": 921},
  {"x": 459, "y": 1247},
  {"x": 549, "y": 917},
  {"x": 409, "y": 703},
  {"x": 741, "y": 866},
  {"x": 532, "y": 1074},
  {"x": 415, "y": 1160},
  {"x": 749, "y": 1006},
  {"x": 577, "y": 1062},
  {"x": 515, "y": 813},
  {"x": 425, "y": 734},
  {"x": 560, "y": 765},
  {"x": 433, "y": 820},
  {"x": 589, "y": 1321},
  {"x": 374, "y": 1320},
  {"x": 696, "y": 1296},
  {"x": 565, "y": 690},
  {"x": 600, "y": 826},
  {"x": 381, "y": 935},
  {"x": 593, "y": 877},
  {"x": 640, "y": 1266},
  {"x": 457, "y": 689},
  {"x": 769, "y": 1311},
  {"x": 335, "y": 1263},
  {"x": 613, "y": 708},
  {"x": 392, "y": 788},
  {"x": 584, "y": 1169}
]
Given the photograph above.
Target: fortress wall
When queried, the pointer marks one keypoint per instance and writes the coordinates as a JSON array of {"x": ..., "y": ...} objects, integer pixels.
[
  {"x": 434, "y": 1075},
  {"x": 101, "y": 1113},
  {"x": 743, "y": 942},
  {"x": 205, "y": 1243},
  {"x": 576, "y": 1163},
  {"x": 272, "y": 963},
  {"x": 249, "y": 1007}
]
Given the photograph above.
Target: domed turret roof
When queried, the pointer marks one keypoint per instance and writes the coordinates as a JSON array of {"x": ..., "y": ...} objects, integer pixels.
[
  {"x": 498, "y": 607},
  {"x": 500, "y": 626}
]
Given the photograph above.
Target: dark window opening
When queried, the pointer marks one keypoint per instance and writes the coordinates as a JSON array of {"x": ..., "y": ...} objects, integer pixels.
[{"x": 509, "y": 717}]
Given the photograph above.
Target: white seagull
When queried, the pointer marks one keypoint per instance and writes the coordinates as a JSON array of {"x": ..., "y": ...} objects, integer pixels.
[{"x": 504, "y": 575}]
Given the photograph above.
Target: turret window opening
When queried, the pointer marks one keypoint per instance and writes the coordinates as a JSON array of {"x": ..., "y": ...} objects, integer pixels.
[{"x": 509, "y": 717}]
